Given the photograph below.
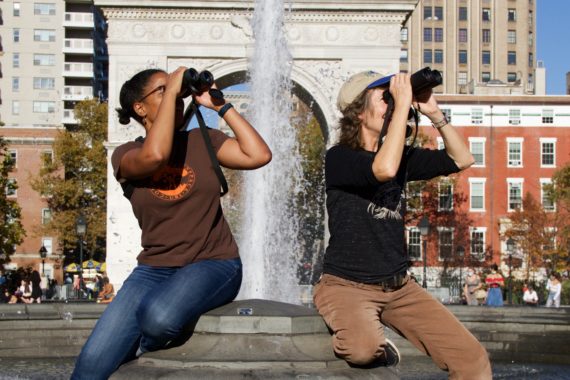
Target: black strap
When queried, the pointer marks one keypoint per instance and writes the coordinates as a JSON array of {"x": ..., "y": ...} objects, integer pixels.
[
  {"x": 129, "y": 188},
  {"x": 210, "y": 148}
]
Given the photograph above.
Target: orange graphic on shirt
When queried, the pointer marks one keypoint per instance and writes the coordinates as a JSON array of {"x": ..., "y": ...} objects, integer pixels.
[{"x": 172, "y": 183}]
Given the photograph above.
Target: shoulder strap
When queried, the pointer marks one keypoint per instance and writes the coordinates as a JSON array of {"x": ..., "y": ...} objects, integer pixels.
[{"x": 210, "y": 148}]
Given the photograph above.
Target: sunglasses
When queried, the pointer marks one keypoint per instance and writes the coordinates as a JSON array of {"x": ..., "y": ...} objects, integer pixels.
[{"x": 159, "y": 89}]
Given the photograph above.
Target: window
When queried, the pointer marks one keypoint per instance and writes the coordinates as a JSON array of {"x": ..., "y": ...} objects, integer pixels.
[
  {"x": 404, "y": 34},
  {"x": 515, "y": 193},
  {"x": 438, "y": 34},
  {"x": 440, "y": 143},
  {"x": 438, "y": 13},
  {"x": 445, "y": 194},
  {"x": 546, "y": 199},
  {"x": 16, "y": 35},
  {"x": 447, "y": 113},
  {"x": 427, "y": 12},
  {"x": 16, "y": 11},
  {"x": 477, "y": 194},
  {"x": 550, "y": 237},
  {"x": 463, "y": 57},
  {"x": 462, "y": 13},
  {"x": 44, "y": 35},
  {"x": 44, "y": 9},
  {"x": 530, "y": 18},
  {"x": 512, "y": 58},
  {"x": 44, "y": 107},
  {"x": 445, "y": 243},
  {"x": 486, "y": 14},
  {"x": 511, "y": 77},
  {"x": 14, "y": 156},
  {"x": 46, "y": 215},
  {"x": 414, "y": 243},
  {"x": 47, "y": 156},
  {"x": 512, "y": 36},
  {"x": 16, "y": 60},
  {"x": 478, "y": 241},
  {"x": 485, "y": 76},
  {"x": 530, "y": 60},
  {"x": 15, "y": 84},
  {"x": 438, "y": 56},
  {"x": 462, "y": 35},
  {"x": 530, "y": 39},
  {"x": 428, "y": 56},
  {"x": 486, "y": 57},
  {"x": 48, "y": 243},
  {"x": 477, "y": 116},
  {"x": 512, "y": 14},
  {"x": 547, "y": 116},
  {"x": 514, "y": 116},
  {"x": 477, "y": 148},
  {"x": 486, "y": 36},
  {"x": 15, "y": 107},
  {"x": 11, "y": 188},
  {"x": 44, "y": 83},
  {"x": 547, "y": 152},
  {"x": 462, "y": 78},
  {"x": 404, "y": 55},
  {"x": 514, "y": 159},
  {"x": 428, "y": 34},
  {"x": 44, "y": 59},
  {"x": 414, "y": 196}
]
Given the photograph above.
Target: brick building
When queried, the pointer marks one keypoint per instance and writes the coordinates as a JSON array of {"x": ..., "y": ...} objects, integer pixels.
[{"x": 518, "y": 142}]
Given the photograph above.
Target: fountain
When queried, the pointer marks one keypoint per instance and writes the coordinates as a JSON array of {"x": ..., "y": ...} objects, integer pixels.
[{"x": 269, "y": 243}]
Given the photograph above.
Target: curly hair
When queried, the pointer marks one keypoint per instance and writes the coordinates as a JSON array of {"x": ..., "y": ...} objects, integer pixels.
[
  {"x": 131, "y": 91},
  {"x": 350, "y": 122}
]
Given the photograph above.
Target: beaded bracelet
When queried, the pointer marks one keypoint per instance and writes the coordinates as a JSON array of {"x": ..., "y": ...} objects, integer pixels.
[{"x": 440, "y": 124}]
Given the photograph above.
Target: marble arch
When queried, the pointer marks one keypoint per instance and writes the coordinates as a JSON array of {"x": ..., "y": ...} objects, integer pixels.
[{"x": 328, "y": 40}]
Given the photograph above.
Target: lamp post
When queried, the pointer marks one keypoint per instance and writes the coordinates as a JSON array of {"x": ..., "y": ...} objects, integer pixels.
[
  {"x": 80, "y": 229},
  {"x": 424, "y": 231},
  {"x": 510, "y": 248},
  {"x": 43, "y": 254},
  {"x": 461, "y": 253}
]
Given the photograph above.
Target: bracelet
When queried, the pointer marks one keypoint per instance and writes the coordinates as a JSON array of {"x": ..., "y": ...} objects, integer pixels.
[
  {"x": 224, "y": 109},
  {"x": 440, "y": 124}
]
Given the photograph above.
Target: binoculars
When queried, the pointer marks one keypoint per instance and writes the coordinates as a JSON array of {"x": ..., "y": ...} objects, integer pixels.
[
  {"x": 421, "y": 80},
  {"x": 195, "y": 83}
]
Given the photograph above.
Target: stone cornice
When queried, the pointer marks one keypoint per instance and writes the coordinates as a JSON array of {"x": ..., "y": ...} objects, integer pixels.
[{"x": 149, "y": 14}]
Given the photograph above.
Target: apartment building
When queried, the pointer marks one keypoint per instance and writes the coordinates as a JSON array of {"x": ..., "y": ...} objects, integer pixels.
[
  {"x": 518, "y": 143},
  {"x": 52, "y": 55},
  {"x": 480, "y": 46}
]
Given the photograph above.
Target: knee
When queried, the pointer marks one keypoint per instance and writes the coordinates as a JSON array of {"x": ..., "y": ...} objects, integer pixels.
[
  {"x": 156, "y": 323},
  {"x": 357, "y": 350}
]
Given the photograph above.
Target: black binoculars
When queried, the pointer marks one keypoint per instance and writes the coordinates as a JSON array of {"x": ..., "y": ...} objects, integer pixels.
[
  {"x": 195, "y": 83},
  {"x": 421, "y": 80}
]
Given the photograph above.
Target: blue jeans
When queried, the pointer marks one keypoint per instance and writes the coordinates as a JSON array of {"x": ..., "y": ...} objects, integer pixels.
[{"x": 155, "y": 306}]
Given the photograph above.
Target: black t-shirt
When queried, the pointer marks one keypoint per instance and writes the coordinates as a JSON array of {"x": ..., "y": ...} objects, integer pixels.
[{"x": 366, "y": 217}]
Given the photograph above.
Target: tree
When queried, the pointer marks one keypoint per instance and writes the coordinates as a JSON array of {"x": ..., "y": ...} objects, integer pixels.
[
  {"x": 559, "y": 190},
  {"x": 12, "y": 232},
  {"x": 75, "y": 181},
  {"x": 538, "y": 233}
]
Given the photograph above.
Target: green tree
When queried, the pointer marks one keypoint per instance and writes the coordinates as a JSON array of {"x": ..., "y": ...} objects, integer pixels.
[
  {"x": 75, "y": 181},
  {"x": 12, "y": 232}
]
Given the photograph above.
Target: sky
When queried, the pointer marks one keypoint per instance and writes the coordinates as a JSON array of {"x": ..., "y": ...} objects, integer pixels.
[{"x": 553, "y": 42}]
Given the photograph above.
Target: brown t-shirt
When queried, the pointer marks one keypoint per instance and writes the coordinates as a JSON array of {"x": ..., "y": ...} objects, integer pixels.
[{"x": 178, "y": 208}]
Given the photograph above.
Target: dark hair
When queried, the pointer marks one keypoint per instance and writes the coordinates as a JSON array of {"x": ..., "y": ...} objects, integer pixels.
[
  {"x": 495, "y": 267},
  {"x": 131, "y": 91},
  {"x": 350, "y": 122}
]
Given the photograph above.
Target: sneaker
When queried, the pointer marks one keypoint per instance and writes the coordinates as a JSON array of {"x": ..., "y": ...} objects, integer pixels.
[{"x": 391, "y": 355}]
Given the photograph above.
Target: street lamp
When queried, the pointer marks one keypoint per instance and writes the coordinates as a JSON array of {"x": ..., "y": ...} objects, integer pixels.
[
  {"x": 461, "y": 253},
  {"x": 510, "y": 249},
  {"x": 80, "y": 229},
  {"x": 424, "y": 231},
  {"x": 43, "y": 254}
]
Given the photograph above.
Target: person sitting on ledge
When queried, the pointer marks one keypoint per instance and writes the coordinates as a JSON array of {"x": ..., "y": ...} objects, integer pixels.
[
  {"x": 365, "y": 283},
  {"x": 190, "y": 262},
  {"x": 530, "y": 297},
  {"x": 107, "y": 292}
]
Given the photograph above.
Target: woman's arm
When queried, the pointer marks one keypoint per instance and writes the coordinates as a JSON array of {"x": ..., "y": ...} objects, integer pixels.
[
  {"x": 247, "y": 150},
  {"x": 155, "y": 151},
  {"x": 454, "y": 143}
]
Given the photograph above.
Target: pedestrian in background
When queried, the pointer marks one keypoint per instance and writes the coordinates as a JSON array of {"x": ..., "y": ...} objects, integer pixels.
[
  {"x": 554, "y": 288},
  {"x": 495, "y": 283}
]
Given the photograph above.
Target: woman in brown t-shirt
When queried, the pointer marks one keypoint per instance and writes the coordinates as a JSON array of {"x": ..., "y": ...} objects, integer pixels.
[{"x": 189, "y": 263}]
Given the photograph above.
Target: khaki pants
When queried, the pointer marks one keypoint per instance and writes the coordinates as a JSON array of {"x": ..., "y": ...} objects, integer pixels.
[{"x": 356, "y": 313}]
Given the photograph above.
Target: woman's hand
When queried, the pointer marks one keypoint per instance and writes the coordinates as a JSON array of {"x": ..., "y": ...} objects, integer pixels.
[
  {"x": 174, "y": 81},
  {"x": 427, "y": 105},
  {"x": 206, "y": 100},
  {"x": 401, "y": 90}
]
